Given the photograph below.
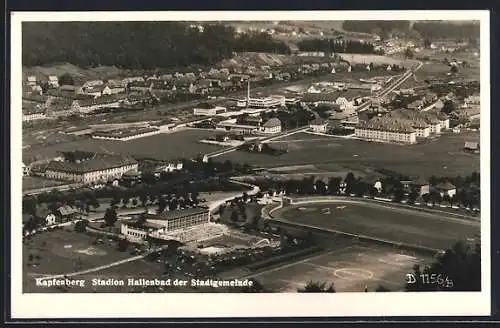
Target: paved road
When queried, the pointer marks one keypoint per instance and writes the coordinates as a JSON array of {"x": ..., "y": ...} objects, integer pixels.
[{"x": 264, "y": 140}]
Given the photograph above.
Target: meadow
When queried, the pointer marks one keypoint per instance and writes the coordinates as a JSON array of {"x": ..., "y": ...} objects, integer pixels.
[{"x": 441, "y": 157}]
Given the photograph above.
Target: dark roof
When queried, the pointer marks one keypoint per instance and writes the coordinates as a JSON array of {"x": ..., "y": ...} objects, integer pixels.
[
  {"x": 319, "y": 121},
  {"x": 272, "y": 123},
  {"x": 445, "y": 186},
  {"x": 100, "y": 162},
  {"x": 67, "y": 210},
  {"x": 172, "y": 215},
  {"x": 317, "y": 97}
]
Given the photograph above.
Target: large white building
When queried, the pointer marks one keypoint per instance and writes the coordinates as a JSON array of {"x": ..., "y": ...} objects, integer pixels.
[
  {"x": 126, "y": 134},
  {"x": 91, "y": 168},
  {"x": 265, "y": 102},
  {"x": 34, "y": 115},
  {"x": 164, "y": 225},
  {"x": 386, "y": 130},
  {"x": 212, "y": 111}
]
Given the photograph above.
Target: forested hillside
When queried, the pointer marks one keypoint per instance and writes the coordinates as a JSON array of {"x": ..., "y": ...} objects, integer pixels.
[
  {"x": 137, "y": 45},
  {"x": 382, "y": 28},
  {"x": 440, "y": 30},
  {"x": 336, "y": 46}
]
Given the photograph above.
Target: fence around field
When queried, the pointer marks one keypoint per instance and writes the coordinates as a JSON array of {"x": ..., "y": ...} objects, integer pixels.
[{"x": 268, "y": 210}]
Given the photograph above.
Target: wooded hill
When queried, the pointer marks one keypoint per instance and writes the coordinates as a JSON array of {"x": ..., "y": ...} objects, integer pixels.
[{"x": 137, "y": 45}]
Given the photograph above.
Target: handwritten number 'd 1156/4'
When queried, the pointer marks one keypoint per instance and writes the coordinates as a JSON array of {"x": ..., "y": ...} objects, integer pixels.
[{"x": 429, "y": 279}]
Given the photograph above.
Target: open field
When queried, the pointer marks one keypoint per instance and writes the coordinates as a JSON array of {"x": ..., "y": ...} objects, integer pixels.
[
  {"x": 441, "y": 157},
  {"x": 31, "y": 182},
  {"x": 351, "y": 268},
  {"x": 62, "y": 251},
  {"x": 387, "y": 222},
  {"x": 182, "y": 144}
]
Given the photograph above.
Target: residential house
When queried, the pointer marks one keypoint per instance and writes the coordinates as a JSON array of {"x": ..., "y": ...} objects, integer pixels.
[
  {"x": 273, "y": 125},
  {"x": 66, "y": 213},
  {"x": 93, "y": 83},
  {"x": 319, "y": 125},
  {"x": 373, "y": 182},
  {"x": 201, "y": 87},
  {"x": 140, "y": 86},
  {"x": 36, "y": 89},
  {"x": 90, "y": 105},
  {"x": 95, "y": 91},
  {"x": 53, "y": 81},
  {"x": 446, "y": 189},
  {"x": 26, "y": 169},
  {"x": 128, "y": 80},
  {"x": 31, "y": 80},
  {"x": 112, "y": 89},
  {"x": 419, "y": 186}
]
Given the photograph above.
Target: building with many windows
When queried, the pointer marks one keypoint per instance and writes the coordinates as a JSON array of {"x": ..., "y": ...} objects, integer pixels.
[
  {"x": 273, "y": 125},
  {"x": 386, "y": 130},
  {"x": 165, "y": 225},
  {"x": 89, "y": 168},
  {"x": 126, "y": 134}
]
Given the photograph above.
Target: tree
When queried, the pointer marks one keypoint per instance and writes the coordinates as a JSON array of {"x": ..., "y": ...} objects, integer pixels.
[
  {"x": 144, "y": 199},
  {"x": 454, "y": 69},
  {"x": 29, "y": 205},
  {"x": 317, "y": 287},
  {"x": 162, "y": 204},
  {"x": 334, "y": 185},
  {"x": 457, "y": 269},
  {"x": 408, "y": 53},
  {"x": 398, "y": 194},
  {"x": 66, "y": 79},
  {"x": 134, "y": 202},
  {"x": 448, "y": 107},
  {"x": 412, "y": 197},
  {"x": 320, "y": 187},
  {"x": 381, "y": 288},
  {"x": 123, "y": 245},
  {"x": 110, "y": 216},
  {"x": 350, "y": 182},
  {"x": 234, "y": 216}
]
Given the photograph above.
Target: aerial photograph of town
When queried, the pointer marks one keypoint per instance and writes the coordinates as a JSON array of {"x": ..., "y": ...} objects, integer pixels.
[{"x": 251, "y": 156}]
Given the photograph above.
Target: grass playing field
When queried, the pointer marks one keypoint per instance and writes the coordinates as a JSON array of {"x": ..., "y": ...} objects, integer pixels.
[
  {"x": 60, "y": 252},
  {"x": 384, "y": 221},
  {"x": 441, "y": 157},
  {"x": 350, "y": 268}
]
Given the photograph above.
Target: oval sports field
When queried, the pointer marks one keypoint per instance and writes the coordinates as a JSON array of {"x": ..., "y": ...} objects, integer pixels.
[{"x": 385, "y": 221}]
